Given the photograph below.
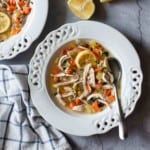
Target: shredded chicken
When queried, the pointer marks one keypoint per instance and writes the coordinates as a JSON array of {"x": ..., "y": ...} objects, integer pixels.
[
  {"x": 59, "y": 98},
  {"x": 108, "y": 77},
  {"x": 82, "y": 47},
  {"x": 105, "y": 63},
  {"x": 69, "y": 92},
  {"x": 62, "y": 60},
  {"x": 85, "y": 74},
  {"x": 79, "y": 108},
  {"x": 92, "y": 77},
  {"x": 61, "y": 75},
  {"x": 96, "y": 95},
  {"x": 17, "y": 4},
  {"x": 73, "y": 80},
  {"x": 107, "y": 86}
]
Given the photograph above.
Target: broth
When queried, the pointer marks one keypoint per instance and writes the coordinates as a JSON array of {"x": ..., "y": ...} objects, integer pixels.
[{"x": 80, "y": 77}]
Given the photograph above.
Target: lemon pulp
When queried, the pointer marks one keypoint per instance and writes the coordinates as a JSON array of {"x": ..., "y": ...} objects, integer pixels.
[
  {"x": 4, "y": 22},
  {"x": 85, "y": 57},
  {"x": 83, "y": 9}
]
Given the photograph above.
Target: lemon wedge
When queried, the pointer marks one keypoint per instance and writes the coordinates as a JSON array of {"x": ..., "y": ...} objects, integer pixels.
[
  {"x": 83, "y": 9},
  {"x": 104, "y": 1},
  {"x": 4, "y": 22},
  {"x": 85, "y": 57}
]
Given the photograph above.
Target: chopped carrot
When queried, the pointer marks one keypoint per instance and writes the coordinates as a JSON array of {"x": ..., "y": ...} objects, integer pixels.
[
  {"x": 70, "y": 48},
  {"x": 111, "y": 98},
  {"x": 16, "y": 20},
  {"x": 22, "y": 12},
  {"x": 73, "y": 65},
  {"x": 74, "y": 68},
  {"x": 96, "y": 52},
  {"x": 11, "y": 8},
  {"x": 21, "y": 3},
  {"x": 69, "y": 71},
  {"x": 26, "y": 10},
  {"x": 64, "y": 51},
  {"x": 97, "y": 69},
  {"x": 107, "y": 92},
  {"x": 100, "y": 47},
  {"x": 71, "y": 105},
  {"x": 73, "y": 62},
  {"x": 56, "y": 70},
  {"x": 96, "y": 106},
  {"x": 78, "y": 101},
  {"x": 55, "y": 79},
  {"x": 15, "y": 31}
]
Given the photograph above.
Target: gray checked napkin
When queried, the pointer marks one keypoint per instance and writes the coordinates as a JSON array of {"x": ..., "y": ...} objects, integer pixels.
[{"x": 21, "y": 126}]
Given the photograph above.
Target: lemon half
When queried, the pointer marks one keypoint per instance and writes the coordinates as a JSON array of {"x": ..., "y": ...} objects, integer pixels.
[
  {"x": 83, "y": 9},
  {"x": 85, "y": 57},
  {"x": 4, "y": 22}
]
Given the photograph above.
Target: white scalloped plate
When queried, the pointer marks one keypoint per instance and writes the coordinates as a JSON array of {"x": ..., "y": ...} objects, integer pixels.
[
  {"x": 30, "y": 32},
  {"x": 82, "y": 124}
]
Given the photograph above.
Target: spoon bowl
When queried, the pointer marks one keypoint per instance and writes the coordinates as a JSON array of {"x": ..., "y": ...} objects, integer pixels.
[{"x": 115, "y": 69}]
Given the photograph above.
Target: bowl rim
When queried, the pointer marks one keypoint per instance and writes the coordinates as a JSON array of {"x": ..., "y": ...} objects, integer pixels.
[
  {"x": 31, "y": 30},
  {"x": 72, "y": 121}
]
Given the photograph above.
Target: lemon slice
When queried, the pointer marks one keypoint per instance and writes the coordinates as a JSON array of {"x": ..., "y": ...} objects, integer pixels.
[
  {"x": 85, "y": 57},
  {"x": 4, "y": 22},
  {"x": 104, "y": 1},
  {"x": 83, "y": 9}
]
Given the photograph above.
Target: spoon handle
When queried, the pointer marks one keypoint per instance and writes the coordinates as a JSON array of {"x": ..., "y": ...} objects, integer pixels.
[
  {"x": 122, "y": 125},
  {"x": 122, "y": 129}
]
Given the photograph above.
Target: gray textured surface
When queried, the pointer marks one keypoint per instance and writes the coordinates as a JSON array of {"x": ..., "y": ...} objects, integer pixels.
[{"x": 132, "y": 18}]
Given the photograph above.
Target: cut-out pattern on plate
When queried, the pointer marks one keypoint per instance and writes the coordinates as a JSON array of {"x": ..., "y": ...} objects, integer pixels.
[
  {"x": 45, "y": 48},
  {"x": 135, "y": 87},
  {"x": 21, "y": 45}
]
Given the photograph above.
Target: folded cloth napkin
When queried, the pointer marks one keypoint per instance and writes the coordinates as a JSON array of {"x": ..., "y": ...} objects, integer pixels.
[{"x": 21, "y": 126}]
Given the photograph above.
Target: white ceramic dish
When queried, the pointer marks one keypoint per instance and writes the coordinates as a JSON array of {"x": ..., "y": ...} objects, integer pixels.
[
  {"x": 81, "y": 124},
  {"x": 30, "y": 32}
]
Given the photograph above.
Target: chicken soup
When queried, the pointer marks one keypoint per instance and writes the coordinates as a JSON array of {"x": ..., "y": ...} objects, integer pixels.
[
  {"x": 81, "y": 79},
  {"x": 13, "y": 15}
]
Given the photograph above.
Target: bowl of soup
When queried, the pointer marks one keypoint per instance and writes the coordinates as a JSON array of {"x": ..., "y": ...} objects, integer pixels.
[
  {"x": 19, "y": 25},
  {"x": 71, "y": 82}
]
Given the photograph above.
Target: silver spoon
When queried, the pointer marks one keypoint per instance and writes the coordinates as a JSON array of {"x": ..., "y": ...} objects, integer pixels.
[{"x": 117, "y": 73}]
